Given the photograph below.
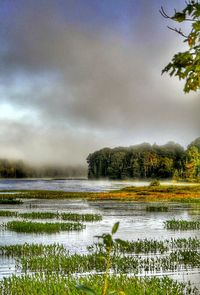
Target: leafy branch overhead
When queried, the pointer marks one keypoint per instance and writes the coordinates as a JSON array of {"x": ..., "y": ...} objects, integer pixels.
[{"x": 186, "y": 65}]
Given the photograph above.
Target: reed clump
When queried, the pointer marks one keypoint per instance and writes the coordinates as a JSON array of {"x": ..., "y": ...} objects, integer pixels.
[
  {"x": 10, "y": 201},
  {"x": 81, "y": 217},
  {"x": 8, "y": 214},
  {"x": 39, "y": 215},
  {"x": 87, "y": 217},
  {"x": 182, "y": 224},
  {"x": 96, "y": 262},
  {"x": 39, "y": 227},
  {"x": 32, "y": 250},
  {"x": 157, "y": 208}
]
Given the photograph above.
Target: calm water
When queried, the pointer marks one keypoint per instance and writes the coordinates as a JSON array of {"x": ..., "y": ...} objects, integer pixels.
[
  {"x": 135, "y": 222},
  {"x": 75, "y": 185},
  {"x": 72, "y": 185}
]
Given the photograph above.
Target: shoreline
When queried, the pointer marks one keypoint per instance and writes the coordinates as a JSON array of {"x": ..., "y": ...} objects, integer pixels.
[{"x": 161, "y": 193}]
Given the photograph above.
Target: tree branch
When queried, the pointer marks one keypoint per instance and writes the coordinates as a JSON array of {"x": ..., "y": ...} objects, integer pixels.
[{"x": 178, "y": 31}]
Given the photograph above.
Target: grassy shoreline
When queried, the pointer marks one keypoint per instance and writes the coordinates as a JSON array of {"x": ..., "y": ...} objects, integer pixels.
[{"x": 161, "y": 193}]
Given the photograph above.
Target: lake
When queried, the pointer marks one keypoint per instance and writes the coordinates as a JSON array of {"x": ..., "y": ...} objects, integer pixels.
[
  {"x": 71, "y": 185},
  {"x": 135, "y": 221}
]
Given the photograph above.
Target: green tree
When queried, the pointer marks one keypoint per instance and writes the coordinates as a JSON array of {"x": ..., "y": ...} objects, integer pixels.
[
  {"x": 186, "y": 65},
  {"x": 192, "y": 163}
]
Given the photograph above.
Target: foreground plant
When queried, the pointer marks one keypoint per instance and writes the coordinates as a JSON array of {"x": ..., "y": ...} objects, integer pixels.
[{"x": 108, "y": 245}]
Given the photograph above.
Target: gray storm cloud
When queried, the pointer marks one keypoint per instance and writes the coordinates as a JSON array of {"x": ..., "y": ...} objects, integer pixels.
[{"x": 88, "y": 87}]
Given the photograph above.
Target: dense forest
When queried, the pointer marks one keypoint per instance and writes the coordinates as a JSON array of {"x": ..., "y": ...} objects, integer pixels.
[
  {"x": 146, "y": 161},
  {"x": 19, "y": 169}
]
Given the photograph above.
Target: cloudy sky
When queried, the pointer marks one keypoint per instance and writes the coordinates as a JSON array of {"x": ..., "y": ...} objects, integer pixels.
[{"x": 79, "y": 75}]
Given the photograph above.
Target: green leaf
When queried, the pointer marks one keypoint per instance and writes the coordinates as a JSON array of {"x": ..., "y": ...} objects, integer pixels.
[
  {"x": 115, "y": 228},
  {"x": 179, "y": 17},
  {"x": 86, "y": 289}
]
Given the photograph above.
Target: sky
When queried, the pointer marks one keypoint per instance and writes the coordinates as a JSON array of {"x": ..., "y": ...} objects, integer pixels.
[{"x": 80, "y": 75}]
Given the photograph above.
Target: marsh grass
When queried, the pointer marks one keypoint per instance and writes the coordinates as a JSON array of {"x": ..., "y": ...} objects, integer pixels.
[
  {"x": 97, "y": 262},
  {"x": 38, "y": 227},
  {"x": 8, "y": 214},
  {"x": 38, "y": 215},
  {"x": 32, "y": 250},
  {"x": 51, "y": 215},
  {"x": 157, "y": 208},
  {"x": 119, "y": 285},
  {"x": 181, "y": 224},
  {"x": 81, "y": 217},
  {"x": 161, "y": 193},
  {"x": 10, "y": 201}
]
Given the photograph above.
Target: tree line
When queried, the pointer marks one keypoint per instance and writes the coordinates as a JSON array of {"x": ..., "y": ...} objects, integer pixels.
[{"x": 146, "y": 161}]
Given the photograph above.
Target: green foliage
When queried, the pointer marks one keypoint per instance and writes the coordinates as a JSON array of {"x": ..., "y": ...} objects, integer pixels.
[
  {"x": 186, "y": 65},
  {"x": 192, "y": 165},
  {"x": 147, "y": 161},
  {"x": 10, "y": 201},
  {"x": 88, "y": 217},
  {"x": 182, "y": 224},
  {"x": 54, "y": 284},
  {"x": 108, "y": 244},
  {"x": 38, "y": 227},
  {"x": 139, "y": 161}
]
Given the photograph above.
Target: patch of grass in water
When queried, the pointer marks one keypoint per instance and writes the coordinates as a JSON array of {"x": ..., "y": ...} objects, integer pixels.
[
  {"x": 81, "y": 217},
  {"x": 8, "y": 213},
  {"x": 39, "y": 215},
  {"x": 38, "y": 227},
  {"x": 32, "y": 250},
  {"x": 51, "y": 215},
  {"x": 181, "y": 224},
  {"x": 157, "y": 209},
  {"x": 10, "y": 201},
  {"x": 96, "y": 262}
]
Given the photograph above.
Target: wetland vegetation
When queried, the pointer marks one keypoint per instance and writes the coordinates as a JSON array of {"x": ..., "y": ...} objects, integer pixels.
[
  {"x": 182, "y": 224},
  {"x": 160, "y": 193},
  {"x": 56, "y": 284},
  {"x": 39, "y": 227},
  {"x": 87, "y": 217},
  {"x": 118, "y": 262}
]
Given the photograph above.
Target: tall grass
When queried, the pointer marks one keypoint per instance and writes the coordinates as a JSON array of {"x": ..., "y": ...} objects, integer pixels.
[
  {"x": 97, "y": 262},
  {"x": 145, "y": 246}
]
